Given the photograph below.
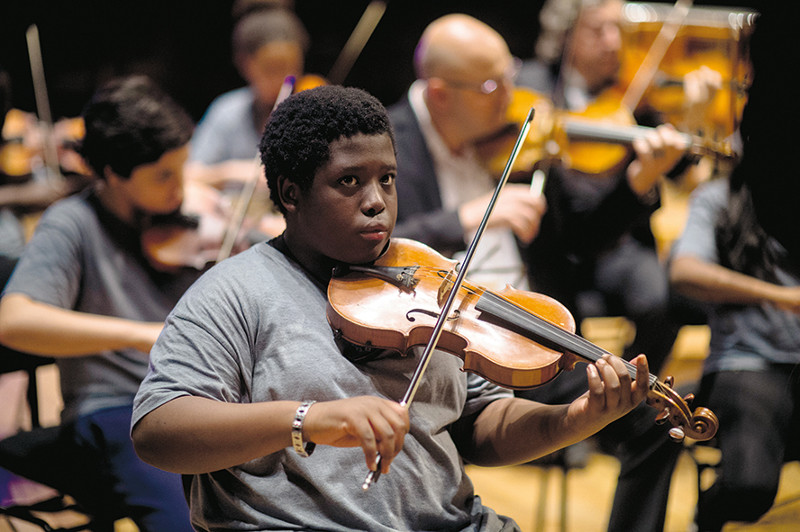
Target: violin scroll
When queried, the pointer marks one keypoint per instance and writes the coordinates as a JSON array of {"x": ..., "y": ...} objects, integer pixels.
[{"x": 701, "y": 425}]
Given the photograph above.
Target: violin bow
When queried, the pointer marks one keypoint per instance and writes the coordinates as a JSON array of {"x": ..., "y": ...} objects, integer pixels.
[
  {"x": 453, "y": 289},
  {"x": 647, "y": 70},
  {"x": 246, "y": 196},
  {"x": 42, "y": 104},
  {"x": 355, "y": 43}
]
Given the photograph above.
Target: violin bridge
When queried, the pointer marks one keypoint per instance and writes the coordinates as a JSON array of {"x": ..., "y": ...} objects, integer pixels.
[{"x": 445, "y": 288}]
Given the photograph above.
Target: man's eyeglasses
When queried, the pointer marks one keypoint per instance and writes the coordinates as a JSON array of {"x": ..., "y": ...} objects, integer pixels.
[{"x": 490, "y": 85}]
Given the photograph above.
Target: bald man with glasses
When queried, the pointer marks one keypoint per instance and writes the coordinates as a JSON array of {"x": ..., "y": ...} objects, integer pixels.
[
  {"x": 465, "y": 81},
  {"x": 464, "y": 86}
]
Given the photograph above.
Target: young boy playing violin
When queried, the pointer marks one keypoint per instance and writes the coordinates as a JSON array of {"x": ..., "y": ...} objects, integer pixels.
[
  {"x": 84, "y": 293},
  {"x": 252, "y": 395}
]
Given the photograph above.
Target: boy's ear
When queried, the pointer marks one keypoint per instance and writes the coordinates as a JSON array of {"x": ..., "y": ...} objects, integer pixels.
[{"x": 288, "y": 193}]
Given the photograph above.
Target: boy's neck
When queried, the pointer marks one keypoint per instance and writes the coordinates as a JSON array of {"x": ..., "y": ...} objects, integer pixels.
[
  {"x": 317, "y": 267},
  {"x": 115, "y": 204}
]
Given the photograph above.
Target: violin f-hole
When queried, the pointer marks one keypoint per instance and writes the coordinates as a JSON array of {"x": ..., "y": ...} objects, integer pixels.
[{"x": 430, "y": 313}]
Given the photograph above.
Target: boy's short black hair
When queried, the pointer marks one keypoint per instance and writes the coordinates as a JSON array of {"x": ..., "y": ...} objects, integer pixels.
[
  {"x": 129, "y": 122},
  {"x": 296, "y": 141}
]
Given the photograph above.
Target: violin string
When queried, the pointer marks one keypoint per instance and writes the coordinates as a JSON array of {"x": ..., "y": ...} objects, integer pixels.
[
  {"x": 545, "y": 328},
  {"x": 563, "y": 338},
  {"x": 697, "y": 426}
]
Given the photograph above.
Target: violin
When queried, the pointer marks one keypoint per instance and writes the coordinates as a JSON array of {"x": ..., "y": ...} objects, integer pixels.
[
  {"x": 513, "y": 338},
  {"x": 15, "y": 153},
  {"x": 493, "y": 150},
  {"x": 193, "y": 237},
  {"x": 661, "y": 45},
  {"x": 23, "y": 144},
  {"x": 596, "y": 141},
  {"x": 309, "y": 81}
]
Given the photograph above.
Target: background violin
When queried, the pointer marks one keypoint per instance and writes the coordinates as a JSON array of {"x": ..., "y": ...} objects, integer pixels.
[
  {"x": 595, "y": 141},
  {"x": 193, "y": 237},
  {"x": 23, "y": 144},
  {"x": 513, "y": 338},
  {"x": 493, "y": 150},
  {"x": 704, "y": 36}
]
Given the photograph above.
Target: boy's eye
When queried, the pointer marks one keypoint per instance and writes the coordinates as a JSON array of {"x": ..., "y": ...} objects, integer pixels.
[
  {"x": 348, "y": 180},
  {"x": 388, "y": 179}
]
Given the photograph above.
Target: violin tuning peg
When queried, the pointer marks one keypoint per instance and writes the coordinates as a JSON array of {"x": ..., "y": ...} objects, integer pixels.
[
  {"x": 662, "y": 417},
  {"x": 689, "y": 397},
  {"x": 677, "y": 434},
  {"x": 669, "y": 381}
]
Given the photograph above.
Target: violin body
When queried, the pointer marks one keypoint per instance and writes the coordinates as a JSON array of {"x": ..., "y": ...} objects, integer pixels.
[
  {"x": 23, "y": 144},
  {"x": 595, "y": 141},
  {"x": 192, "y": 238},
  {"x": 597, "y": 156},
  {"x": 513, "y": 338},
  {"x": 493, "y": 150},
  {"x": 369, "y": 311},
  {"x": 309, "y": 81}
]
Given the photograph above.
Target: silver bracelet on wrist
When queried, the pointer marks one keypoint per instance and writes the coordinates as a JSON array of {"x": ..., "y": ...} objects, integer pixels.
[{"x": 303, "y": 449}]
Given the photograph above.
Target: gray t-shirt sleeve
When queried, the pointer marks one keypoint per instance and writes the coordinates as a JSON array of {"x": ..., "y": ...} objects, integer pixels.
[
  {"x": 226, "y": 130},
  {"x": 50, "y": 267},
  {"x": 698, "y": 238}
]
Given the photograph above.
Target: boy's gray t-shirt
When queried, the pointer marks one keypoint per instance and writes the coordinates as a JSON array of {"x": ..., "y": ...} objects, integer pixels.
[
  {"x": 254, "y": 329},
  {"x": 82, "y": 258}
]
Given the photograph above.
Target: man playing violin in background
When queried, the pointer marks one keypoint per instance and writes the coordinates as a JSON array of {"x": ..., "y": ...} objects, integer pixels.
[
  {"x": 85, "y": 293},
  {"x": 248, "y": 375},
  {"x": 465, "y": 86},
  {"x": 578, "y": 65},
  {"x": 465, "y": 77}
]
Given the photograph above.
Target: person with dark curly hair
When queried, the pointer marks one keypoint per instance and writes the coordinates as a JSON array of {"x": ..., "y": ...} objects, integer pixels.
[
  {"x": 84, "y": 293},
  {"x": 254, "y": 398}
]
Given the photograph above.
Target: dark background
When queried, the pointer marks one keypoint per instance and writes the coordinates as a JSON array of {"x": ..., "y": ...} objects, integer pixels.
[{"x": 185, "y": 44}]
